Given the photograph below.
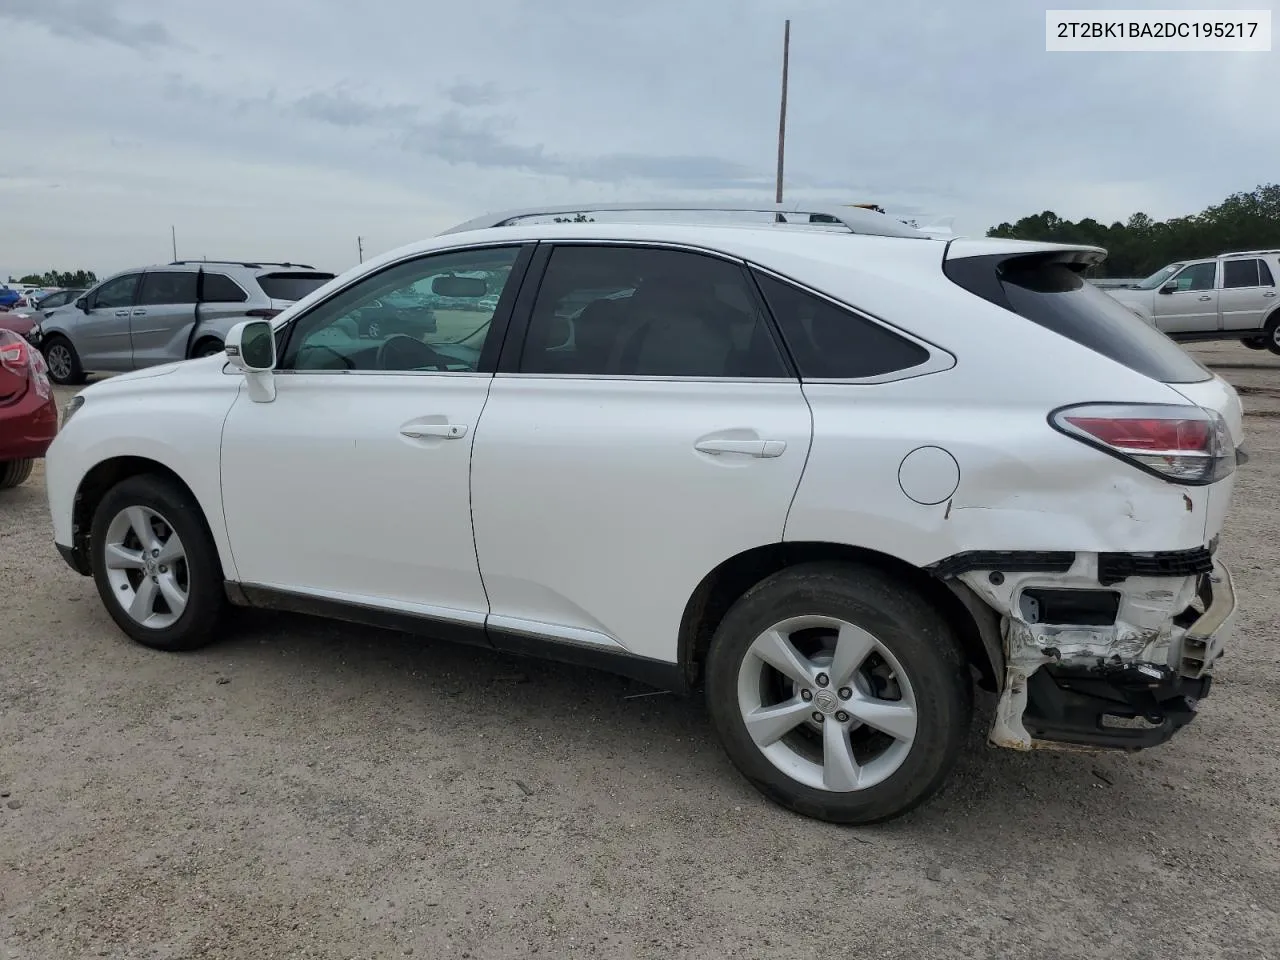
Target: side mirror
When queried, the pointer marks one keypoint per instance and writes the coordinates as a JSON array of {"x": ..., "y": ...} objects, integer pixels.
[
  {"x": 1170, "y": 286},
  {"x": 251, "y": 347},
  {"x": 82, "y": 304}
]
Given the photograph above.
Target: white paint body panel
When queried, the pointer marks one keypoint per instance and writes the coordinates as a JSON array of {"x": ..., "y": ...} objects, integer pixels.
[
  {"x": 595, "y": 515},
  {"x": 324, "y": 495}
]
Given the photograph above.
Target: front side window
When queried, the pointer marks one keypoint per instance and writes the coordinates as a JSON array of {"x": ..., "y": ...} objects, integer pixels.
[
  {"x": 1198, "y": 276},
  {"x": 432, "y": 314},
  {"x": 116, "y": 293},
  {"x": 168, "y": 288},
  {"x": 623, "y": 311}
]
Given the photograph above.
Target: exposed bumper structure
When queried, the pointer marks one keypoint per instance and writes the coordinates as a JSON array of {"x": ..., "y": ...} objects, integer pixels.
[{"x": 1113, "y": 651}]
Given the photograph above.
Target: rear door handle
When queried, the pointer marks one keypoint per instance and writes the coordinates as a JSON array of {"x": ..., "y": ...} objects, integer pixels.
[
  {"x": 750, "y": 448},
  {"x": 139, "y": 313},
  {"x": 1269, "y": 294},
  {"x": 424, "y": 431},
  {"x": 1206, "y": 298},
  {"x": 122, "y": 313}
]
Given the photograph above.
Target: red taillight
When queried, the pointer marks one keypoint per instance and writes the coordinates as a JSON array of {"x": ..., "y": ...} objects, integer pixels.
[
  {"x": 1183, "y": 444},
  {"x": 18, "y": 356},
  {"x": 262, "y": 314}
]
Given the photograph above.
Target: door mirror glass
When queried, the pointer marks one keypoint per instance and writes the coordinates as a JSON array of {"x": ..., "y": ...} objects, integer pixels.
[
  {"x": 1170, "y": 286},
  {"x": 83, "y": 304},
  {"x": 251, "y": 346}
]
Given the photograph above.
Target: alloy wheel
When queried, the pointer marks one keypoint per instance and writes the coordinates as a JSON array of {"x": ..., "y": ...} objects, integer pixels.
[
  {"x": 146, "y": 565},
  {"x": 58, "y": 359}
]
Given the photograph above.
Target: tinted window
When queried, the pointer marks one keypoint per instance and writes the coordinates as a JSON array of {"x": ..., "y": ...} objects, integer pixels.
[
  {"x": 219, "y": 288},
  {"x": 633, "y": 311},
  {"x": 1198, "y": 276},
  {"x": 1264, "y": 275},
  {"x": 1057, "y": 298},
  {"x": 168, "y": 288},
  {"x": 1240, "y": 273},
  {"x": 829, "y": 342},
  {"x": 428, "y": 314},
  {"x": 292, "y": 286},
  {"x": 117, "y": 293}
]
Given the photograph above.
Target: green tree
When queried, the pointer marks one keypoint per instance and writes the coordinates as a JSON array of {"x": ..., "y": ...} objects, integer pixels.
[
  {"x": 1244, "y": 221},
  {"x": 59, "y": 278}
]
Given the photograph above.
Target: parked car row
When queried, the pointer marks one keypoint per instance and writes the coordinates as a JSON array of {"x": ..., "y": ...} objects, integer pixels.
[{"x": 794, "y": 470}]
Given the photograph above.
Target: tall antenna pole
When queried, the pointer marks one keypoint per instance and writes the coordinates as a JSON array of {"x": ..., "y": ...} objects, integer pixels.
[
  {"x": 173, "y": 234},
  {"x": 782, "y": 112},
  {"x": 360, "y": 248}
]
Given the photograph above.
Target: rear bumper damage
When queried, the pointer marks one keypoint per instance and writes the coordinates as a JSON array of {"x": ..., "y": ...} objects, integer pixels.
[{"x": 1102, "y": 650}]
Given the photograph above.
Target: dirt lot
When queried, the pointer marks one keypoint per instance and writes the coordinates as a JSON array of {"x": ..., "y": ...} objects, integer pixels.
[{"x": 313, "y": 790}]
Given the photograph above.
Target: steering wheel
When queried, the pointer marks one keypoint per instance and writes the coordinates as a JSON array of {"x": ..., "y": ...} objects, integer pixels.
[{"x": 402, "y": 346}]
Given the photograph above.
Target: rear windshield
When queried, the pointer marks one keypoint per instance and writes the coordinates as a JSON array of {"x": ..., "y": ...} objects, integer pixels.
[
  {"x": 292, "y": 286},
  {"x": 1056, "y": 297}
]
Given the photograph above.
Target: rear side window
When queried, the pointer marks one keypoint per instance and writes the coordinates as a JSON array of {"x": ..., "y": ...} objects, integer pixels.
[
  {"x": 831, "y": 343},
  {"x": 1054, "y": 296},
  {"x": 1240, "y": 273},
  {"x": 292, "y": 286},
  {"x": 219, "y": 288},
  {"x": 168, "y": 288}
]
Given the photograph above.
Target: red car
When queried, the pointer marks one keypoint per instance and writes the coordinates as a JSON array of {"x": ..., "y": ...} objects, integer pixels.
[
  {"x": 19, "y": 321},
  {"x": 28, "y": 411}
]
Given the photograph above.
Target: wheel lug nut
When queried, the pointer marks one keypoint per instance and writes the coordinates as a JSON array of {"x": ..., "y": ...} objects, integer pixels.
[
  {"x": 806, "y": 695},
  {"x": 842, "y": 717},
  {"x": 817, "y": 717},
  {"x": 163, "y": 568},
  {"x": 155, "y": 553},
  {"x": 823, "y": 680},
  {"x": 845, "y": 693}
]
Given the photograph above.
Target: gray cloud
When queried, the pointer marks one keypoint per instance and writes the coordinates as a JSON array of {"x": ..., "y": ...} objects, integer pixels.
[
  {"x": 89, "y": 20},
  {"x": 466, "y": 94}
]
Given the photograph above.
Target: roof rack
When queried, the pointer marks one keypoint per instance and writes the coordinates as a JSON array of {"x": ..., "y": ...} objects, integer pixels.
[
  {"x": 854, "y": 219},
  {"x": 1247, "y": 253},
  {"x": 251, "y": 264}
]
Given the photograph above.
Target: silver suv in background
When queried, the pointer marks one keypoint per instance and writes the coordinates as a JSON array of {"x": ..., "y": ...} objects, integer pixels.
[
  {"x": 160, "y": 314},
  {"x": 1232, "y": 296}
]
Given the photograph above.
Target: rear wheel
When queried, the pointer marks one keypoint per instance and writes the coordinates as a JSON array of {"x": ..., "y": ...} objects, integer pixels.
[
  {"x": 63, "y": 361},
  {"x": 15, "y": 472},
  {"x": 207, "y": 348},
  {"x": 1271, "y": 332},
  {"x": 155, "y": 564},
  {"x": 839, "y": 693}
]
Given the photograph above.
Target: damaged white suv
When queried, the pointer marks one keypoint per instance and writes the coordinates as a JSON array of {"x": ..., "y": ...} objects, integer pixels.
[{"x": 830, "y": 476}]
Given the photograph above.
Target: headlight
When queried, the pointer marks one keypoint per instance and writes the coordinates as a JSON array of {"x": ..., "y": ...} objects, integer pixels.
[{"x": 74, "y": 404}]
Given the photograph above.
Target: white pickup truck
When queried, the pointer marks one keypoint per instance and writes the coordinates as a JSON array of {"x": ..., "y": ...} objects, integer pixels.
[{"x": 1229, "y": 297}]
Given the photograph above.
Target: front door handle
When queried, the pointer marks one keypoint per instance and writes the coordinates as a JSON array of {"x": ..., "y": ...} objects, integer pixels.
[
  {"x": 122, "y": 313},
  {"x": 1206, "y": 298},
  {"x": 139, "y": 313},
  {"x": 424, "y": 431},
  {"x": 750, "y": 448}
]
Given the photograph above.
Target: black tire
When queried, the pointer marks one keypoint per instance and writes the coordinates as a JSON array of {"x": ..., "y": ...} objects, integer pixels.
[
  {"x": 206, "y": 348},
  {"x": 206, "y": 604},
  {"x": 1271, "y": 332},
  {"x": 72, "y": 372},
  {"x": 15, "y": 472},
  {"x": 907, "y": 625}
]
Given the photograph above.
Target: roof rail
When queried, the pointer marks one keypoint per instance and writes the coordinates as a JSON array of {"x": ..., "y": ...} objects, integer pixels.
[
  {"x": 251, "y": 264},
  {"x": 854, "y": 219},
  {"x": 1247, "y": 253}
]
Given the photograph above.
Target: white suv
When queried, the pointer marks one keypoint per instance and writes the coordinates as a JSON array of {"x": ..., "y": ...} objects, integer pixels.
[
  {"x": 831, "y": 476},
  {"x": 1229, "y": 297}
]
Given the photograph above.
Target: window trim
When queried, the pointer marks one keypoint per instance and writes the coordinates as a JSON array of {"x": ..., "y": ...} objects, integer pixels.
[
  {"x": 499, "y": 323},
  {"x": 940, "y": 359},
  {"x": 509, "y": 362}
]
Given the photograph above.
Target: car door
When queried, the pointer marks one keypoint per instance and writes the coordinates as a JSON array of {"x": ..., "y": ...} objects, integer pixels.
[
  {"x": 630, "y": 446},
  {"x": 1248, "y": 293},
  {"x": 352, "y": 484},
  {"x": 1193, "y": 306},
  {"x": 161, "y": 323},
  {"x": 101, "y": 335}
]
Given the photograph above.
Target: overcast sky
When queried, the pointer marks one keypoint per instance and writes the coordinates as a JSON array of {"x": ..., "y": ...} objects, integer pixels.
[{"x": 284, "y": 130}]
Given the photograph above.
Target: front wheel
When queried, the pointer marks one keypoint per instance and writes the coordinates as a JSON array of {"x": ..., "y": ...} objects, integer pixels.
[
  {"x": 155, "y": 564},
  {"x": 839, "y": 692},
  {"x": 63, "y": 362},
  {"x": 15, "y": 472}
]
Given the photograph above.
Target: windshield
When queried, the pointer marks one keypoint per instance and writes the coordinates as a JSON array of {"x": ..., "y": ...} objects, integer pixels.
[{"x": 1159, "y": 277}]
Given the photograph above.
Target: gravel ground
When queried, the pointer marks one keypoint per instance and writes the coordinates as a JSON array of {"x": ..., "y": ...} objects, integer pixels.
[{"x": 305, "y": 789}]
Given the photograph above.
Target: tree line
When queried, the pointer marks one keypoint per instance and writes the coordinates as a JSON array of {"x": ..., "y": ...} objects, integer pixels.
[
  {"x": 57, "y": 278},
  {"x": 1140, "y": 246}
]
